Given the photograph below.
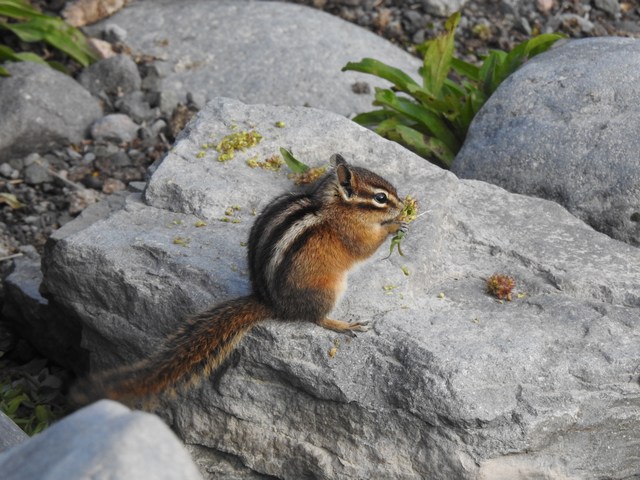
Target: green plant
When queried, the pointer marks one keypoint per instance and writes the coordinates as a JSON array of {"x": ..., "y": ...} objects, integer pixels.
[
  {"x": 432, "y": 119},
  {"x": 30, "y": 414},
  {"x": 30, "y": 25}
]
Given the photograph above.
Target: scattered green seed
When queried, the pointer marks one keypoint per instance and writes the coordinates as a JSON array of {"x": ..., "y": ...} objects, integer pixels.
[
  {"x": 237, "y": 141},
  {"x": 183, "y": 242}
]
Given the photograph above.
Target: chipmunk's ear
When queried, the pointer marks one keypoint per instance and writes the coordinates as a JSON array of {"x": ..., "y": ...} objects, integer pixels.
[
  {"x": 337, "y": 159},
  {"x": 343, "y": 172}
]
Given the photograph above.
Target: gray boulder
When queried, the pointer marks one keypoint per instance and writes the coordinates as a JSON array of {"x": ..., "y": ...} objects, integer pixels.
[
  {"x": 448, "y": 383},
  {"x": 103, "y": 441},
  {"x": 114, "y": 76},
  {"x": 564, "y": 127},
  {"x": 266, "y": 52},
  {"x": 42, "y": 109}
]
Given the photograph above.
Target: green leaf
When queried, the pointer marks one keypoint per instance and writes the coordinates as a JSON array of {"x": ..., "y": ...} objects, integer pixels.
[
  {"x": 388, "y": 129},
  {"x": 416, "y": 141},
  {"x": 14, "y": 404},
  {"x": 58, "y": 66},
  {"x": 542, "y": 43},
  {"x": 426, "y": 147},
  {"x": 4, "y": 72},
  {"x": 395, "y": 243},
  {"x": 38, "y": 428},
  {"x": 18, "y": 9},
  {"x": 295, "y": 165},
  {"x": 427, "y": 99},
  {"x": 465, "y": 69},
  {"x": 499, "y": 64},
  {"x": 374, "y": 67},
  {"x": 372, "y": 118},
  {"x": 437, "y": 57},
  {"x": 431, "y": 121},
  {"x": 7, "y": 53},
  {"x": 488, "y": 70},
  {"x": 43, "y": 413}
]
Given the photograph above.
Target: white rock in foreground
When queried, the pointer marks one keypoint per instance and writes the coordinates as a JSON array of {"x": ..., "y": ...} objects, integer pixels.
[
  {"x": 443, "y": 386},
  {"x": 104, "y": 441}
]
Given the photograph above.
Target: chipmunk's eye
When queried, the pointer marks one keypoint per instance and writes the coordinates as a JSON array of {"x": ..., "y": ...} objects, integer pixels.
[{"x": 381, "y": 198}]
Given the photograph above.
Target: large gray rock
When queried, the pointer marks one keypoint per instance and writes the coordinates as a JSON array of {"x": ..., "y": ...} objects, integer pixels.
[
  {"x": 564, "y": 127},
  {"x": 42, "y": 109},
  {"x": 258, "y": 52},
  {"x": 449, "y": 383},
  {"x": 104, "y": 441}
]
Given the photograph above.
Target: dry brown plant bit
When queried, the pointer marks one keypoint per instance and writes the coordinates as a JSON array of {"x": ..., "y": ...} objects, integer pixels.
[
  {"x": 273, "y": 163},
  {"x": 307, "y": 177},
  {"x": 500, "y": 286}
]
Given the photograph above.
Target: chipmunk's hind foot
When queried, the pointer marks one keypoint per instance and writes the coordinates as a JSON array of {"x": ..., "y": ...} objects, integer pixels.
[{"x": 344, "y": 327}]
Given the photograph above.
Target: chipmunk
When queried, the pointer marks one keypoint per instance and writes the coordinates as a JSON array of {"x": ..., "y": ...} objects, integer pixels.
[{"x": 300, "y": 250}]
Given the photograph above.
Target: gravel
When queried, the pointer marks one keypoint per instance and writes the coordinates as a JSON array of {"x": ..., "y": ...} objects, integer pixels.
[{"x": 487, "y": 24}]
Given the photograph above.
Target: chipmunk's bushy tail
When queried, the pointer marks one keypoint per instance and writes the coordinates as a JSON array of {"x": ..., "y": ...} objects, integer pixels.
[{"x": 190, "y": 354}]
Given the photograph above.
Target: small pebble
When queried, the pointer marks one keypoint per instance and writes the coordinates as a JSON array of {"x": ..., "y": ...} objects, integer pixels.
[
  {"x": 115, "y": 127},
  {"x": 114, "y": 33},
  {"x": 112, "y": 185},
  {"x": 6, "y": 170},
  {"x": 545, "y": 6}
]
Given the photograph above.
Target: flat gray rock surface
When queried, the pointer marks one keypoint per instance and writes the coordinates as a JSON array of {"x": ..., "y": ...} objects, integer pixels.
[
  {"x": 104, "y": 441},
  {"x": 448, "y": 383},
  {"x": 258, "y": 52},
  {"x": 565, "y": 127},
  {"x": 42, "y": 109}
]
